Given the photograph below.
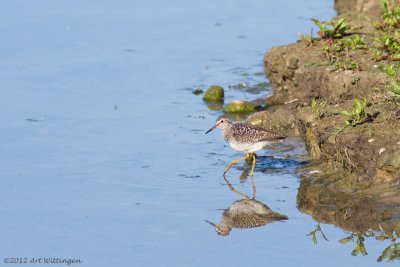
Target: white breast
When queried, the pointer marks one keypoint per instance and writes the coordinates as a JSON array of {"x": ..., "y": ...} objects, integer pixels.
[{"x": 249, "y": 147}]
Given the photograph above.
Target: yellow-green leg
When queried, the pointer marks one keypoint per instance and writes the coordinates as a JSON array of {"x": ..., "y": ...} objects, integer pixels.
[
  {"x": 234, "y": 161},
  {"x": 234, "y": 190},
  {"x": 253, "y": 165},
  {"x": 251, "y": 176}
]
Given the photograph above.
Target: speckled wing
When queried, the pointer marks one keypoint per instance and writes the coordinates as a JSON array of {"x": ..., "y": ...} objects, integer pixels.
[
  {"x": 248, "y": 213},
  {"x": 255, "y": 220},
  {"x": 247, "y": 133}
]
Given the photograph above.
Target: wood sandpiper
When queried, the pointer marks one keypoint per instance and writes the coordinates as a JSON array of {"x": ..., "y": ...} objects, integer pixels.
[
  {"x": 246, "y": 213},
  {"x": 244, "y": 138}
]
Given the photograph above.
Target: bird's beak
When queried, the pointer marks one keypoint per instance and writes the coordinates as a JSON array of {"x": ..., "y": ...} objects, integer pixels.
[
  {"x": 211, "y": 129},
  {"x": 213, "y": 224}
]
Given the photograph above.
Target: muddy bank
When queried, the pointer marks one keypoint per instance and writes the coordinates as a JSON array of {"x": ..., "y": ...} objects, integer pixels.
[
  {"x": 364, "y": 214},
  {"x": 331, "y": 200},
  {"x": 360, "y": 6},
  {"x": 340, "y": 95},
  {"x": 316, "y": 83}
]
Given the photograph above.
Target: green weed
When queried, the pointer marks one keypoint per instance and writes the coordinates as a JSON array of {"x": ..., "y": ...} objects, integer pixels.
[
  {"x": 308, "y": 39},
  {"x": 355, "y": 80},
  {"x": 331, "y": 29},
  {"x": 316, "y": 108},
  {"x": 313, "y": 234},
  {"x": 357, "y": 113},
  {"x": 391, "y": 14},
  {"x": 392, "y": 252},
  {"x": 389, "y": 43},
  {"x": 354, "y": 43},
  {"x": 394, "y": 88},
  {"x": 359, "y": 243}
]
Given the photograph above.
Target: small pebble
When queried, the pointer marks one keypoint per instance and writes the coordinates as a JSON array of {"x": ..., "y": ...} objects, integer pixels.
[
  {"x": 397, "y": 115},
  {"x": 371, "y": 140},
  {"x": 382, "y": 150}
]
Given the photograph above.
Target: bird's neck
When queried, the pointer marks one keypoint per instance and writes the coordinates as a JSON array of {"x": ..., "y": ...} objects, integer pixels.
[{"x": 226, "y": 133}]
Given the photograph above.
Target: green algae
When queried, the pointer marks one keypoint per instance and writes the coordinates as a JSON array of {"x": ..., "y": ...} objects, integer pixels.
[
  {"x": 238, "y": 106},
  {"x": 214, "y": 94}
]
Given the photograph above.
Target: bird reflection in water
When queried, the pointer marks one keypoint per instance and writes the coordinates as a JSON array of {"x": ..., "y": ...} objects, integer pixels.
[{"x": 245, "y": 213}]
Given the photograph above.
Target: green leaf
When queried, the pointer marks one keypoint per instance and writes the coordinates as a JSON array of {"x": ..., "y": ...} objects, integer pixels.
[
  {"x": 395, "y": 254},
  {"x": 314, "y": 239},
  {"x": 385, "y": 253},
  {"x": 320, "y": 25},
  {"x": 338, "y": 24},
  {"x": 384, "y": 6},
  {"x": 313, "y": 103},
  {"x": 346, "y": 239},
  {"x": 346, "y": 113},
  {"x": 363, "y": 250},
  {"x": 356, "y": 250}
]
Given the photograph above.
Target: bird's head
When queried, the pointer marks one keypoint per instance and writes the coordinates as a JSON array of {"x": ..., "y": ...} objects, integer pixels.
[
  {"x": 221, "y": 228},
  {"x": 222, "y": 122}
]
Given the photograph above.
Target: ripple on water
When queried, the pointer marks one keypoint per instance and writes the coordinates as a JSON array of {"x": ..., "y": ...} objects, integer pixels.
[
  {"x": 268, "y": 163},
  {"x": 187, "y": 180}
]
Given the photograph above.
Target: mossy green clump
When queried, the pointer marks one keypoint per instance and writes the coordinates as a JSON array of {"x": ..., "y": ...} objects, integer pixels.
[
  {"x": 214, "y": 94},
  {"x": 197, "y": 91},
  {"x": 238, "y": 106}
]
